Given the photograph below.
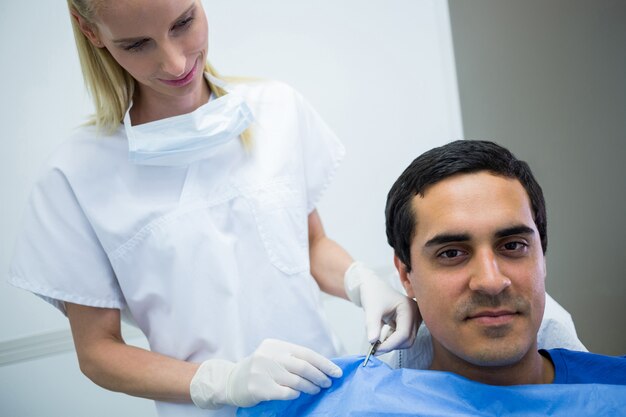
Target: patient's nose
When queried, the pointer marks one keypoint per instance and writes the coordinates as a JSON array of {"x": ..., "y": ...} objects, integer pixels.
[{"x": 486, "y": 276}]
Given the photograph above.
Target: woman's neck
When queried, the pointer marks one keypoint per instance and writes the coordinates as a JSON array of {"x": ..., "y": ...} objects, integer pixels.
[{"x": 149, "y": 105}]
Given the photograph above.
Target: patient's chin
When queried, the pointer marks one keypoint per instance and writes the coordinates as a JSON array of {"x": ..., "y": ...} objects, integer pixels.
[{"x": 496, "y": 356}]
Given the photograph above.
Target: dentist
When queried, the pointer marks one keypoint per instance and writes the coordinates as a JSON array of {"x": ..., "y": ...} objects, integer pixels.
[{"x": 187, "y": 205}]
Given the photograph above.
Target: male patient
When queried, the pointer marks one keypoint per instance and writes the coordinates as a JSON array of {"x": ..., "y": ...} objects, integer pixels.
[{"x": 467, "y": 222}]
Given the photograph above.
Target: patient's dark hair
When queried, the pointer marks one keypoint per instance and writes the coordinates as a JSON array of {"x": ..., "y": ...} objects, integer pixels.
[{"x": 459, "y": 157}]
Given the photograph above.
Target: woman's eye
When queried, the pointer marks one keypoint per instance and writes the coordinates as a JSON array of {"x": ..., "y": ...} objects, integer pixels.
[
  {"x": 136, "y": 47},
  {"x": 183, "y": 23}
]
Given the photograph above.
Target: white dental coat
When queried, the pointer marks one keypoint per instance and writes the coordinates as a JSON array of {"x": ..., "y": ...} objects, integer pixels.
[{"x": 209, "y": 259}]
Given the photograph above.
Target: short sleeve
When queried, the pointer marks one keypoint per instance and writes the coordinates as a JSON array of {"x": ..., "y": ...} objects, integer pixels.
[
  {"x": 57, "y": 255},
  {"x": 322, "y": 152}
]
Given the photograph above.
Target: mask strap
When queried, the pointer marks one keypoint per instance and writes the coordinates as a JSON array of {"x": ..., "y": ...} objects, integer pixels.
[{"x": 128, "y": 128}]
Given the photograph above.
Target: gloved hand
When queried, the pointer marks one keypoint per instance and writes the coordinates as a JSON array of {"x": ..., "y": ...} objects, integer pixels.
[
  {"x": 276, "y": 370},
  {"x": 382, "y": 305}
]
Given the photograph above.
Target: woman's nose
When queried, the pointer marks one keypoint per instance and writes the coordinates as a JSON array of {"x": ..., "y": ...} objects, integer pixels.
[{"x": 173, "y": 61}]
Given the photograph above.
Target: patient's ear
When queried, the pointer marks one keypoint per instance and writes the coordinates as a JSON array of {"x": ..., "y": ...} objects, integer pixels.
[{"x": 404, "y": 276}]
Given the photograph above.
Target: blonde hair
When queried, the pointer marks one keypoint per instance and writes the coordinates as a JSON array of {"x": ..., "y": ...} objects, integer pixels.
[{"x": 111, "y": 86}]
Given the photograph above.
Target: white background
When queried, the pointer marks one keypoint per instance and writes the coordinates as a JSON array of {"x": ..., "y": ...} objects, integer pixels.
[{"x": 380, "y": 73}]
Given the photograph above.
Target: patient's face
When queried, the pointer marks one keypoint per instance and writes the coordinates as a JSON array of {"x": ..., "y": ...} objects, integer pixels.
[{"x": 477, "y": 271}]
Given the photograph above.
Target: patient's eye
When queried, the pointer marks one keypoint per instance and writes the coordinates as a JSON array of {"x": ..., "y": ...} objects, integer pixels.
[
  {"x": 450, "y": 253},
  {"x": 514, "y": 248},
  {"x": 451, "y": 256}
]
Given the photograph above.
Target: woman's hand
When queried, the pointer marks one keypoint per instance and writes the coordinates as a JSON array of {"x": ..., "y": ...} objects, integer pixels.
[
  {"x": 382, "y": 305},
  {"x": 276, "y": 370}
]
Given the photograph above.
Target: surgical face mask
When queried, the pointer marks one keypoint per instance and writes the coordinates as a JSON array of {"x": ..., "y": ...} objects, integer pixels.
[{"x": 181, "y": 140}]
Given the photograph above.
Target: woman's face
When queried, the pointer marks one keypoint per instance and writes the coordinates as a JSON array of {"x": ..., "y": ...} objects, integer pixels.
[{"x": 161, "y": 43}]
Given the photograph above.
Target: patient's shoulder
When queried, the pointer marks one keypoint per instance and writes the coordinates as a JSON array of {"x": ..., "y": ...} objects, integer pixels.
[{"x": 573, "y": 367}]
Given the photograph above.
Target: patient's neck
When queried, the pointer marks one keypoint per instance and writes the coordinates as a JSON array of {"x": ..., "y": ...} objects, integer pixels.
[{"x": 533, "y": 368}]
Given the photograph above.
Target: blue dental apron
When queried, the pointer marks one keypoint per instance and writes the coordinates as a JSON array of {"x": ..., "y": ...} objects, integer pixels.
[{"x": 378, "y": 390}]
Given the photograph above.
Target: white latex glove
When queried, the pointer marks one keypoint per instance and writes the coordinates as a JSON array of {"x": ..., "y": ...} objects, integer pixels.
[
  {"x": 276, "y": 370},
  {"x": 382, "y": 305}
]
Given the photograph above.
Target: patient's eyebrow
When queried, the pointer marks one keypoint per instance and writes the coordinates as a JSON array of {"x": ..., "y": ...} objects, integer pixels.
[
  {"x": 444, "y": 238},
  {"x": 447, "y": 238},
  {"x": 515, "y": 230}
]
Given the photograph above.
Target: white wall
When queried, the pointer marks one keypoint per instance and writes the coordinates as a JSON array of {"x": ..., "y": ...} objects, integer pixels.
[
  {"x": 547, "y": 79},
  {"x": 380, "y": 73}
]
